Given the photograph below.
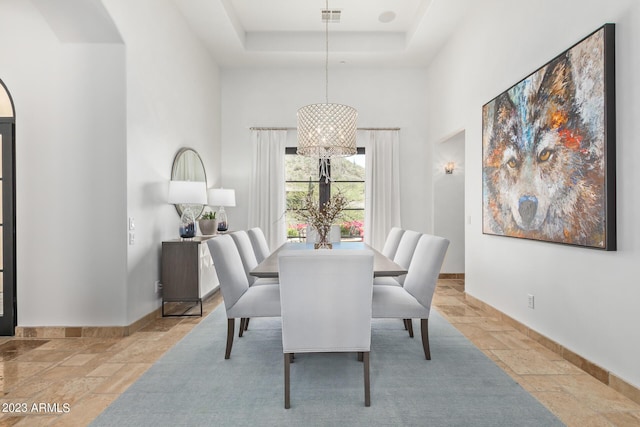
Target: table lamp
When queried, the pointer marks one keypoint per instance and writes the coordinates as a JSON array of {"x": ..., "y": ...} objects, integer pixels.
[
  {"x": 189, "y": 194},
  {"x": 222, "y": 197}
]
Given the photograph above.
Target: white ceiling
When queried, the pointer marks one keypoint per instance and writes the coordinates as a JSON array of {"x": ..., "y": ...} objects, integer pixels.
[{"x": 276, "y": 33}]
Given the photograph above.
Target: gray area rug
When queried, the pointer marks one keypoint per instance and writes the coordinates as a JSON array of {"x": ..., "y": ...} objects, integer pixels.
[{"x": 192, "y": 384}]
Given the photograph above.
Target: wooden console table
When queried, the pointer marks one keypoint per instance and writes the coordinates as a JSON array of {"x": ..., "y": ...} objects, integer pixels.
[{"x": 188, "y": 273}]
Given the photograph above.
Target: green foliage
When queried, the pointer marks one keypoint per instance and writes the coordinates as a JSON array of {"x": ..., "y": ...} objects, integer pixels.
[{"x": 208, "y": 215}]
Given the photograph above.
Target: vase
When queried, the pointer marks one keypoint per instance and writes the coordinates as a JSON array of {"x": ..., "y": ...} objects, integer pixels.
[
  {"x": 208, "y": 227},
  {"x": 187, "y": 228},
  {"x": 323, "y": 238}
]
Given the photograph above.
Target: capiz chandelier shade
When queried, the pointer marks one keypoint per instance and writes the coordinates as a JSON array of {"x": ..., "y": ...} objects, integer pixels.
[{"x": 327, "y": 130}]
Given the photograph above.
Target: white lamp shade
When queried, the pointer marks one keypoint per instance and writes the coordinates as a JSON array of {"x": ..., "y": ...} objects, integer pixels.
[
  {"x": 187, "y": 192},
  {"x": 222, "y": 197}
]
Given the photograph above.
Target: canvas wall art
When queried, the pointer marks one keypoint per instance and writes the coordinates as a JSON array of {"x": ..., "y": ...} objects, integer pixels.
[{"x": 548, "y": 150}]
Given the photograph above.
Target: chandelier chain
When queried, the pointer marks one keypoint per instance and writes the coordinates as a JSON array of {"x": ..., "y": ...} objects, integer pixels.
[{"x": 326, "y": 61}]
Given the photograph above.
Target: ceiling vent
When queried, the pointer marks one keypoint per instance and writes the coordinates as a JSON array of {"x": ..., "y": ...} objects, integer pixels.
[{"x": 331, "y": 15}]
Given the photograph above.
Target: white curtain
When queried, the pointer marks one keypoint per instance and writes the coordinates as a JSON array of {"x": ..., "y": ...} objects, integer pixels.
[
  {"x": 267, "y": 200},
  {"x": 382, "y": 193}
]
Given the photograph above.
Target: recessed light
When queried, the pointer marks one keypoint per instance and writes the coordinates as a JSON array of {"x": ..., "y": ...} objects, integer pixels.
[{"x": 386, "y": 17}]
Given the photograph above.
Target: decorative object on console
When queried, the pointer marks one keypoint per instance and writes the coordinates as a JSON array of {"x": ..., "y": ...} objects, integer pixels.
[
  {"x": 191, "y": 196},
  {"x": 326, "y": 130},
  {"x": 208, "y": 223},
  {"x": 222, "y": 197},
  {"x": 548, "y": 150},
  {"x": 322, "y": 217}
]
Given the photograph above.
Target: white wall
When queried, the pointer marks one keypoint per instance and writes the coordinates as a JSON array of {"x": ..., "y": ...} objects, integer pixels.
[
  {"x": 97, "y": 126},
  {"x": 448, "y": 200},
  {"x": 383, "y": 98},
  {"x": 173, "y": 101},
  {"x": 586, "y": 300},
  {"x": 70, "y": 171}
]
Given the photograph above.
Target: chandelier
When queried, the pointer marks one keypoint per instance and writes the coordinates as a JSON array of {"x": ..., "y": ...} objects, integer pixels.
[{"x": 326, "y": 130}]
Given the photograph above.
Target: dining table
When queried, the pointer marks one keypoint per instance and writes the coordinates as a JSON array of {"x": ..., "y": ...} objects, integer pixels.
[{"x": 382, "y": 265}]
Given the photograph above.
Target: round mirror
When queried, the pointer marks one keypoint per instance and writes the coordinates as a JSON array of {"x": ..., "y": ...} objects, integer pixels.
[{"x": 188, "y": 166}]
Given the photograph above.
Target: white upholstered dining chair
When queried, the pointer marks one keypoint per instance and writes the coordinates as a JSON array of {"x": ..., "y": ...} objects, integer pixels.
[
  {"x": 240, "y": 300},
  {"x": 259, "y": 243},
  {"x": 413, "y": 300},
  {"x": 327, "y": 312},
  {"x": 391, "y": 242},
  {"x": 249, "y": 262},
  {"x": 402, "y": 255},
  {"x": 248, "y": 256}
]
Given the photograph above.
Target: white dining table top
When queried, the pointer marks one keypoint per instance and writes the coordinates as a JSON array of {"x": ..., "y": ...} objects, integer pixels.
[{"x": 382, "y": 266}]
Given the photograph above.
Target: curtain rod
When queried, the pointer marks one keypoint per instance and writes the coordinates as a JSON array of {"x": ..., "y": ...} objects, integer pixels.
[{"x": 289, "y": 128}]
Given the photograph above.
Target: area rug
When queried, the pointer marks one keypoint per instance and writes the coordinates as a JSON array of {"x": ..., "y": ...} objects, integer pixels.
[{"x": 193, "y": 385}]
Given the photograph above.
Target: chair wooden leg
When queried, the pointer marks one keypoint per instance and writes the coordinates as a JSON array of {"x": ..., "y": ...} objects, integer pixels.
[
  {"x": 424, "y": 331},
  {"x": 287, "y": 373},
  {"x": 230, "y": 326},
  {"x": 367, "y": 384},
  {"x": 409, "y": 326},
  {"x": 246, "y": 323},
  {"x": 406, "y": 326},
  {"x": 242, "y": 322},
  {"x": 360, "y": 357}
]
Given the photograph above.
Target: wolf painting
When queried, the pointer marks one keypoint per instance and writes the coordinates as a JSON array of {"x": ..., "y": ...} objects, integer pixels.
[{"x": 544, "y": 152}]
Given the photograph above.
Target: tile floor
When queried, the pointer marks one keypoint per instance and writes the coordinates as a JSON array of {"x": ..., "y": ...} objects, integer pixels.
[{"x": 72, "y": 380}]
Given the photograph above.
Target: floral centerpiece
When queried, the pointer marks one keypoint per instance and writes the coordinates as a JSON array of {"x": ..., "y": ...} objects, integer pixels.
[{"x": 322, "y": 217}]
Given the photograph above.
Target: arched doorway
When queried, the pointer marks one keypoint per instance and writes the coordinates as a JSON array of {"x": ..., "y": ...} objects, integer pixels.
[{"x": 7, "y": 214}]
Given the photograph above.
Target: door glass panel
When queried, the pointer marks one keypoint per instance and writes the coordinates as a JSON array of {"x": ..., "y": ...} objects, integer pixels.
[{"x": 1, "y": 238}]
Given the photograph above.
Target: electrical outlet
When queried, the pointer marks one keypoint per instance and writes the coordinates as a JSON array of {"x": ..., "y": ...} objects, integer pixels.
[
  {"x": 530, "y": 301},
  {"x": 132, "y": 238},
  {"x": 157, "y": 286},
  {"x": 132, "y": 223}
]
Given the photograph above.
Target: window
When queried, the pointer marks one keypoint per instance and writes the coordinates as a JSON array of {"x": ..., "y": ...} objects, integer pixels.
[{"x": 347, "y": 177}]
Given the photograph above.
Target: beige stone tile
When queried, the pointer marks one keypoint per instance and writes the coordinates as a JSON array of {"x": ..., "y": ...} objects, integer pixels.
[
  {"x": 595, "y": 395},
  {"x": 17, "y": 370},
  {"x": 104, "y": 332},
  {"x": 493, "y": 325},
  {"x": 106, "y": 370},
  {"x": 37, "y": 420},
  {"x": 78, "y": 360},
  {"x": 482, "y": 339},
  {"x": 513, "y": 339},
  {"x": 68, "y": 344},
  {"x": 623, "y": 419},
  {"x": 68, "y": 391},
  {"x": 448, "y": 300},
  {"x": 143, "y": 351},
  {"x": 569, "y": 410},
  {"x": 65, "y": 372},
  {"x": 538, "y": 383},
  {"x": 457, "y": 311},
  {"x": 45, "y": 356},
  {"x": 123, "y": 378},
  {"x": 6, "y": 420},
  {"x": 28, "y": 388},
  {"x": 529, "y": 362},
  {"x": 101, "y": 346}
]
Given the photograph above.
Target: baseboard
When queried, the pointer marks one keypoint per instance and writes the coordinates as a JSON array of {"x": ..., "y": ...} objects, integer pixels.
[
  {"x": 451, "y": 276},
  {"x": 587, "y": 366},
  {"x": 86, "y": 331},
  {"x": 94, "y": 331}
]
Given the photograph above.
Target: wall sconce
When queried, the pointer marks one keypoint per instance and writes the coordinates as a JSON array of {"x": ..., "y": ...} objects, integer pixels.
[{"x": 448, "y": 168}]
